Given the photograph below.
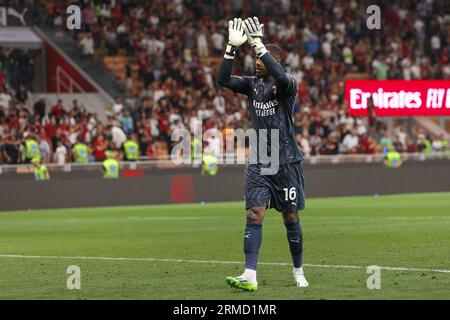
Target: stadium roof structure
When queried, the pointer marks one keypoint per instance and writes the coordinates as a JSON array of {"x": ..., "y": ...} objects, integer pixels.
[{"x": 19, "y": 37}]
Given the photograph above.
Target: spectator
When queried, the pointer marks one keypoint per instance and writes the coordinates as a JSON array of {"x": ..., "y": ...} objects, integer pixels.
[
  {"x": 60, "y": 155},
  {"x": 118, "y": 136},
  {"x": 175, "y": 84},
  {"x": 350, "y": 142},
  {"x": 58, "y": 111},
  {"x": 386, "y": 141},
  {"x": 87, "y": 45},
  {"x": 39, "y": 108},
  {"x": 126, "y": 122},
  {"x": 45, "y": 150},
  {"x": 118, "y": 106},
  {"x": 100, "y": 146},
  {"x": 10, "y": 150},
  {"x": 22, "y": 94},
  {"x": 5, "y": 100}
]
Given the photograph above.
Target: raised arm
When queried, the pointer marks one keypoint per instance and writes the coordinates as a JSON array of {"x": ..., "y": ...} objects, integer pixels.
[
  {"x": 254, "y": 31},
  {"x": 225, "y": 79},
  {"x": 236, "y": 38},
  {"x": 276, "y": 71}
]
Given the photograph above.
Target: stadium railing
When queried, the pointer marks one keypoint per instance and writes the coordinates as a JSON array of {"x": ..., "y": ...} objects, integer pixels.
[{"x": 168, "y": 163}]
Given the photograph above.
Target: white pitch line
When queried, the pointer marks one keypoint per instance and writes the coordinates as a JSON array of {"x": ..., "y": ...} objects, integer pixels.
[{"x": 218, "y": 262}]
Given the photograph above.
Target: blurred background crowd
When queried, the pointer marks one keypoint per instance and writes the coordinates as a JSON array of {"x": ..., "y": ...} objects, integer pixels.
[{"x": 172, "y": 51}]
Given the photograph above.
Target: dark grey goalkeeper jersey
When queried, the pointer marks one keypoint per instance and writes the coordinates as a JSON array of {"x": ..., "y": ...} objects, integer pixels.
[{"x": 272, "y": 108}]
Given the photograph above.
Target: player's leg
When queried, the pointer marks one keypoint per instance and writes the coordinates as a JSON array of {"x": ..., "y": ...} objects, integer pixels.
[
  {"x": 252, "y": 243},
  {"x": 288, "y": 198},
  {"x": 256, "y": 200},
  {"x": 295, "y": 239}
]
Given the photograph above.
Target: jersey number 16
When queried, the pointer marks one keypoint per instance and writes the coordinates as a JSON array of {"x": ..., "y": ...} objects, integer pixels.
[{"x": 290, "y": 194}]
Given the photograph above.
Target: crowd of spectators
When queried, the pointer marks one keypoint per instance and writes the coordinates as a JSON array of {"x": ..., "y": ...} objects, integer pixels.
[{"x": 178, "y": 45}]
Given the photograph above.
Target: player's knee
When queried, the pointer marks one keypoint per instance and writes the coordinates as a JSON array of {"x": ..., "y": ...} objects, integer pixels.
[
  {"x": 290, "y": 218},
  {"x": 255, "y": 215}
]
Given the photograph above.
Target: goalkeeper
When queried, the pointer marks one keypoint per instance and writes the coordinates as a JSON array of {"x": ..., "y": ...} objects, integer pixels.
[{"x": 271, "y": 94}]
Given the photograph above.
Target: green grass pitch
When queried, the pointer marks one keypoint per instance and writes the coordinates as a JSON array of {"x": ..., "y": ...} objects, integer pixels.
[{"x": 186, "y": 251}]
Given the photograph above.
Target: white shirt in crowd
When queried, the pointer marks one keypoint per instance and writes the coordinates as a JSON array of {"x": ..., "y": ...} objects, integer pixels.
[
  {"x": 60, "y": 155},
  {"x": 350, "y": 141},
  {"x": 204, "y": 113},
  {"x": 154, "y": 131},
  {"x": 152, "y": 45},
  {"x": 361, "y": 128},
  {"x": 158, "y": 94},
  {"x": 248, "y": 63},
  {"x": 5, "y": 100},
  {"x": 118, "y": 136},
  {"x": 326, "y": 48},
  {"x": 348, "y": 55},
  {"x": 73, "y": 138},
  {"x": 208, "y": 76},
  {"x": 293, "y": 60},
  {"x": 195, "y": 124},
  {"x": 402, "y": 137},
  {"x": 214, "y": 146},
  {"x": 218, "y": 40},
  {"x": 174, "y": 116},
  {"x": 435, "y": 43},
  {"x": 105, "y": 11},
  {"x": 437, "y": 145},
  {"x": 308, "y": 62},
  {"x": 117, "y": 108},
  {"x": 219, "y": 104},
  {"x": 304, "y": 144},
  {"x": 177, "y": 125},
  {"x": 202, "y": 44}
]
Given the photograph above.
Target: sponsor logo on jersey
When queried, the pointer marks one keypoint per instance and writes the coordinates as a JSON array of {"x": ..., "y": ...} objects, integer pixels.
[{"x": 264, "y": 109}]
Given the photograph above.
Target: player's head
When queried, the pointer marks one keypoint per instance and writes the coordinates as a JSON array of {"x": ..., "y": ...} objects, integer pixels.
[{"x": 276, "y": 53}]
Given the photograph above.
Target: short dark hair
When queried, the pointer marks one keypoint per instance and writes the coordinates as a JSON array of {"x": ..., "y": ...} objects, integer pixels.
[{"x": 275, "y": 51}]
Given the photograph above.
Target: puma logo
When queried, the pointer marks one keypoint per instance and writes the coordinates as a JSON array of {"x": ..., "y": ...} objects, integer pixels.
[{"x": 20, "y": 16}]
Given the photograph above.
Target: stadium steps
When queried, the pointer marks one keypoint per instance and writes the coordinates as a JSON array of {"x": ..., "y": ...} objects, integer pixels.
[
  {"x": 94, "y": 67},
  {"x": 431, "y": 127},
  {"x": 117, "y": 65}
]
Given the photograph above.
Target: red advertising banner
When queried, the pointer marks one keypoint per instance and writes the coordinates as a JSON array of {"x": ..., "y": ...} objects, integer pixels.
[{"x": 399, "y": 98}]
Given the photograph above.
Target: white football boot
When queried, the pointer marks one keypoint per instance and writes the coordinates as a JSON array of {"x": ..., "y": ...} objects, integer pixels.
[{"x": 299, "y": 278}]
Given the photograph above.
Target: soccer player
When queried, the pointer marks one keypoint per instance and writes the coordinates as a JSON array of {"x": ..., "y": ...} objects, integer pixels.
[{"x": 271, "y": 94}]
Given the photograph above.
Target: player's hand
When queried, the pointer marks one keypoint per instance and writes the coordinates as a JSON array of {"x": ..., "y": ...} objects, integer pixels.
[
  {"x": 254, "y": 32},
  {"x": 236, "y": 35}
]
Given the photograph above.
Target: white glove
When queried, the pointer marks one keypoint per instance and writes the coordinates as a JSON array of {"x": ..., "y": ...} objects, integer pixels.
[
  {"x": 254, "y": 31},
  {"x": 236, "y": 37}
]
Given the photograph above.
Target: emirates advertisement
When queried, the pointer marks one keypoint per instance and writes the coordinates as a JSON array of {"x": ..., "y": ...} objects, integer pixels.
[{"x": 398, "y": 98}]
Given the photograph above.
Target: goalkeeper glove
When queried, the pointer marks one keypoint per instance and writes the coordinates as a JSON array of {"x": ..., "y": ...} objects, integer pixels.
[
  {"x": 236, "y": 37},
  {"x": 254, "y": 31}
]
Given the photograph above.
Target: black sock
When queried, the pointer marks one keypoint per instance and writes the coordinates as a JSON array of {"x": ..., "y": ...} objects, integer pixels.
[
  {"x": 252, "y": 243},
  {"x": 295, "y": 238}
]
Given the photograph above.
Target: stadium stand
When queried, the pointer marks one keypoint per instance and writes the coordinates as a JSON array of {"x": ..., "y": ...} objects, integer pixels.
[{"x": 167, "y": 64}]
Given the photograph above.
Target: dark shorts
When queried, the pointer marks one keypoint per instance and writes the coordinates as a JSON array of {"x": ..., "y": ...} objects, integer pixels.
[{"x": 283, "y": 191}]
